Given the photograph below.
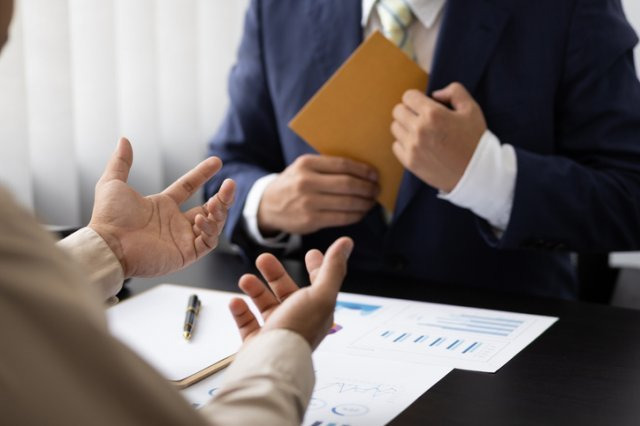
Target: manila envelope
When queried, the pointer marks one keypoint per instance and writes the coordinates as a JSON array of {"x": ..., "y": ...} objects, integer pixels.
[{"x": 350, "y": 116}]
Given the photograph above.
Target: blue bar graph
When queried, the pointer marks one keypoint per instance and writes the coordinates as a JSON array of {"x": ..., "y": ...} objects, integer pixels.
[
  {"x": 401, "y": 337},
  {"x": 472, "y": 347},
  {"x": 437, "y": 342},
  {"x": 455, "y": 344}
]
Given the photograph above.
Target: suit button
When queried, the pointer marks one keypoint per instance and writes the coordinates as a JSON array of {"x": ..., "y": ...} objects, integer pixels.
[{"x": 396, "y": 262}]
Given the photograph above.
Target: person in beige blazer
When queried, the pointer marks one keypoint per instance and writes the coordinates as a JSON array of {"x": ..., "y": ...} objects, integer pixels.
[{"x": 60, "y": 365}]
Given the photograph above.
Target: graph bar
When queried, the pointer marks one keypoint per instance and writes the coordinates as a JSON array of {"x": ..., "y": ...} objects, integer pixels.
[
  {"x": 437, "y": 341},
  {"x": 421, "y": 339},
  {"x": 455, "y": 344},
  {"x": 401, "y": 337},
  {"x": 471, "y": 347}
]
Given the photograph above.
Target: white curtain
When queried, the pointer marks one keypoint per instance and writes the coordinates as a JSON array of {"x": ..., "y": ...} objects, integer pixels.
[{"x": 77, "y": 74}]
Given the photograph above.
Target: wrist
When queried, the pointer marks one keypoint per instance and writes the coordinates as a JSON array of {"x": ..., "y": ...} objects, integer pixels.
[
  {"x": 114, "y": 244},
  {"x": 266, "y": 229}
]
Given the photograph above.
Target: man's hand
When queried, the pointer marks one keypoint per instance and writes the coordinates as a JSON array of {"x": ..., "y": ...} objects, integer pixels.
[
  {"x": 307, "y": 311},
  {"x": 150, "y": 235},
  {"x": 434, "y": 142},
  {"x": 316, "y": 192}
]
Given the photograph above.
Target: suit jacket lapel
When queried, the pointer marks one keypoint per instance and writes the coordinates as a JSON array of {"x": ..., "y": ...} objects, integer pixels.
[
  {"x": 336, "y": 32},
  {"x": 469, "y": 33}
]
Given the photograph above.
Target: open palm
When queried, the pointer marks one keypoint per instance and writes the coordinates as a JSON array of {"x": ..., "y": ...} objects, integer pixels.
[
  {"x": 150, "y": 235},
  {"x": 307, "y": 311}
]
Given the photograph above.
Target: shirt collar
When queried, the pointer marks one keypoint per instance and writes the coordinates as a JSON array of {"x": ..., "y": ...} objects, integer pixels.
[{"x": 425, "y": 10}]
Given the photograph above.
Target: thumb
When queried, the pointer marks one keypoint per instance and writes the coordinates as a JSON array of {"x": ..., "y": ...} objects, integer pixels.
[
  {"x": 455, "y": 95},
  {"x": 334, "y": 268},
  {"x": 120, "y": 162}
]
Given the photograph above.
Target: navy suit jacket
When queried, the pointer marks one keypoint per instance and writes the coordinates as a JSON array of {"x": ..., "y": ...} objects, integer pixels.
[{"x": 555, "y": 79}]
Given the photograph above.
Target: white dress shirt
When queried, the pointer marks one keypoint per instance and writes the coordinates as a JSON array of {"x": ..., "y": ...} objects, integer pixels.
[{"x": 488, "y": 183}]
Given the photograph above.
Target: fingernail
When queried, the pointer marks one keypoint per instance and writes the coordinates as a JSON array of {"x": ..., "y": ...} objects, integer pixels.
[{"x": 373, "y": 176}]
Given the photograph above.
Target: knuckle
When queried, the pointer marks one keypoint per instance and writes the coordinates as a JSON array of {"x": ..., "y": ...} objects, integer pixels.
[
  {"x": 306, "y": 203},
  {"x": 187, "y": 186},
  {"x": 304, "y": 161},
  {"x": 301, "y": 183}
]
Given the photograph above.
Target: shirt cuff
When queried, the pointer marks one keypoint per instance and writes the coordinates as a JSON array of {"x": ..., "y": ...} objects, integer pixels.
[
  {"x": 488, "y": 183},
  {"x": 289, "y": 242},
  {"x": 87, "y": 248}
]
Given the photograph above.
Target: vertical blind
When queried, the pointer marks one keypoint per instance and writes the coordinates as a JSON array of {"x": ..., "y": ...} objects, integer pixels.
[{"x": 77, "y": 74}]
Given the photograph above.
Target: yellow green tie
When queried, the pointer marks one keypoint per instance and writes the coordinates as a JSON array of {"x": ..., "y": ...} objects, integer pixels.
[{"x": 396, "y": 17}]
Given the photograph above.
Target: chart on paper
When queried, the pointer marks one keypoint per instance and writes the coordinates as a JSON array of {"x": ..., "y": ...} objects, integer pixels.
[
  {"x": 429, "y": 333},
  {"x": 365, "y": 391}
]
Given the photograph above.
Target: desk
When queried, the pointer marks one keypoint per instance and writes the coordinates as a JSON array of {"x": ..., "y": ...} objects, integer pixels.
[{"x": 584, "y": 370}]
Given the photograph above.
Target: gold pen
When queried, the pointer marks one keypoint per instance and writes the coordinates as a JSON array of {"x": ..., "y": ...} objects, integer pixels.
[{"x": 193, "y": 308}]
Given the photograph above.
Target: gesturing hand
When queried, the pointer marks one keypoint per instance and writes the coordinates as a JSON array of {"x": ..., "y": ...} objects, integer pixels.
[
  {"x": 307, "y": 311},
  {"x": 150, "y": 235},
  {"x": 315, "y": 192},
  {"x": 434, "y": 142}
]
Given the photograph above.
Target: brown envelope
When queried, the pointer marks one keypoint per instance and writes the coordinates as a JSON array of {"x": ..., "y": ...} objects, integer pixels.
[{"x": 350, "y": 116}]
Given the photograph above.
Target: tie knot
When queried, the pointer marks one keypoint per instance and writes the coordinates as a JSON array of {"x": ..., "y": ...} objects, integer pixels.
[{"x": 395, "y": 18}]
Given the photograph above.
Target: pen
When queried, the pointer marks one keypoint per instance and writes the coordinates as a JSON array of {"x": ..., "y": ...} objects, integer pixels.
[{"x": 193, "y": 308}]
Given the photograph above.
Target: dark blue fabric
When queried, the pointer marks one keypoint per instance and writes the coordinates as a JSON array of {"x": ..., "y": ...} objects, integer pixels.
[{"x": 555, "y": 79}]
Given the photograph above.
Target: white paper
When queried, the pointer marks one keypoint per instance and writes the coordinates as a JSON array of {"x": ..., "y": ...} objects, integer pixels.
[
  {"x": 365, "y": 391},
  {"x": 349, "y": 390},
  {"x": 151, "y": 324},
  {"x": 430, "y": 333}
]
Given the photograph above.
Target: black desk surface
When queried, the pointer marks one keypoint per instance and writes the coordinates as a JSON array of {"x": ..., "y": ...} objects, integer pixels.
[{"x": 584, "y": 370}]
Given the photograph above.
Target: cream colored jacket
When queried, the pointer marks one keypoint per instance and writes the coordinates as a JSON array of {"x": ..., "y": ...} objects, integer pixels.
[{"x": 60, "y": 366}]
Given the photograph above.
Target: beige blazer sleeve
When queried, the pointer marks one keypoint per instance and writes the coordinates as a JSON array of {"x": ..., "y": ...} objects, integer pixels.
[
  {"x": 272, "y": 374},
  {"x": 102, "y": 269},
  {"x": 59, "y": 365}
]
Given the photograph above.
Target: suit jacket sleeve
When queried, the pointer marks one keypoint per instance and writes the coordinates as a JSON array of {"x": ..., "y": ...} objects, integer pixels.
[
  {"x": 587, "y": 197},
  {"x": 247, "y": 141}
]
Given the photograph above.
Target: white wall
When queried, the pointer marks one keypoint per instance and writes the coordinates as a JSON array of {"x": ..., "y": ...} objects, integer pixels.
[{"x": 77, "y": 74}]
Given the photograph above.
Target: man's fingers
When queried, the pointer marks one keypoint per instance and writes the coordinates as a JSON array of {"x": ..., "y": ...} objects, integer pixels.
[
  {"x": 276, "y": 276},
  {"x": 225, "y": 195},
  {"x": 337, "y": 165},
  {"x": 334, "y": 268},
  {"x": 259, "y": 294},
  {"x": 455, "y": 95},
  {"x": 245, "y": 320},
  {"x": 342, "y": 184},
  {"x": 313, "y": 261},
  {"x": 400, "y": 152},
  {"x": 185, "y": 186},
  {"x": 418, "y": 102},
  {"x": 218, "y": 206},
  {"x": 340, "y": 203},
  {"x": 120, "y": 162},
  {"x": 206, "y": 237}
]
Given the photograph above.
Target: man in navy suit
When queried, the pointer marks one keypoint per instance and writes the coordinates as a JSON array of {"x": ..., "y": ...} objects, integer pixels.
[{"x": 525, "y": 147}]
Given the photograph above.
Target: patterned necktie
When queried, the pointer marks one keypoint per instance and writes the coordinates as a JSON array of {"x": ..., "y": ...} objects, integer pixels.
[{"x": 396, "y": 17}]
